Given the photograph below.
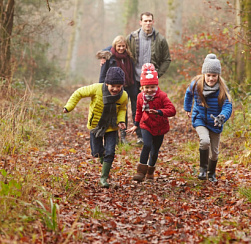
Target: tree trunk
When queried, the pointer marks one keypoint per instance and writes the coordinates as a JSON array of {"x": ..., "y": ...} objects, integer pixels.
[
  {"x": 243, "y": 57},
  {"x": 246, "y": 22},
  {"x": 131, "y": 15},
  {"x": 6, "y": 25},
  {"x": 174, "y": 26}
]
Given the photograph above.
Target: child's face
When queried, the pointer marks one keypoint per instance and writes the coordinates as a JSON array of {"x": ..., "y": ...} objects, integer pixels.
[
  {"x": 150, "y": 89},
  {"x": 114, "y": 89},
  {"x": 211, "y": 79}
]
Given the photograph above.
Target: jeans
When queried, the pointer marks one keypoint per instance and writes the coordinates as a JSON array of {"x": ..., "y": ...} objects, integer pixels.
[
  {"x": 132, "y": 94},
  {"x": 104, "y": 146},
  {"x": 209, "y": 140},
  {"x": 151, "y": 146}
]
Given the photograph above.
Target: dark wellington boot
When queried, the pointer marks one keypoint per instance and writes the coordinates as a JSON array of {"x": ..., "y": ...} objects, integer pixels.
[
  {"x": 203, "y": 164},
  {"x": 141, "y": 172},
  {"x": 211, "y": 170}
]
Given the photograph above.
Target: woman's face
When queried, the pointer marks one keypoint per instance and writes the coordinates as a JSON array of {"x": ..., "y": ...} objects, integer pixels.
[
  {"x": 150, "y": 89},
  {"x": 211, "y": 79},
  {"x": 121, "y": 47}
]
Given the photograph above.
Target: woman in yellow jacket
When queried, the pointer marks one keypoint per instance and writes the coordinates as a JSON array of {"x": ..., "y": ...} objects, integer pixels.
[{"x": 106, "y": 114}]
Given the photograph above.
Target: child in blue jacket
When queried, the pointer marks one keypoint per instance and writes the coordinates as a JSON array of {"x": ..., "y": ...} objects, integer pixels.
[{"x": 212, "y": 108}]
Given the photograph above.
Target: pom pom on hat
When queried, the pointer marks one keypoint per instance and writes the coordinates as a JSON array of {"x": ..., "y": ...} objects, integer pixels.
[
  {"x": 211, "y": 64},
  {"x": 149, "y": 75},
  {"x": 115, "y": 75}
]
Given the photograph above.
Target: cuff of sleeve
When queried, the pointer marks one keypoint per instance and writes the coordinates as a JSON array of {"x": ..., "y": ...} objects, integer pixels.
[
  {"x": 136, "y": 123},
  {"x": 66, "y": 109},
  {"x": 160, "y": 112}
]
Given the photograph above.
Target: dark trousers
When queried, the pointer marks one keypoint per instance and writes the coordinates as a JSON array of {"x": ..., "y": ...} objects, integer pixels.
[
  {"x": 137, "y": 86},
  {"x": 104, "y": 146},
  {"x": 151, "y": 146}
]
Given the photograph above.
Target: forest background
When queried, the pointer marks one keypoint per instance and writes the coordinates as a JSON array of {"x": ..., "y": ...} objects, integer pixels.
[{"x": 47, "y": 50}]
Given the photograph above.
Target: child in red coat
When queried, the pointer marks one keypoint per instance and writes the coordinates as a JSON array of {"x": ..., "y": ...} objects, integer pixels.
[{"x": 153, "y": 110}]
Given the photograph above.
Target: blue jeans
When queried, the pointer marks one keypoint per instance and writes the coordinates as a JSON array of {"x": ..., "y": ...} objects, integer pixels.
[
  {"x": 151, "y": 146},
  {"x": 104, "y": 146}
]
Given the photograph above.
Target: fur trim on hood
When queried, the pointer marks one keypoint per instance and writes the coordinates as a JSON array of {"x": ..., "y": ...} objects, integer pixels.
[{"x": 104, "y": 54}]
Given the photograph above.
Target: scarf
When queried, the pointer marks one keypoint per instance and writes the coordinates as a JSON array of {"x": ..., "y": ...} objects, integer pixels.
[
  {"x": 109, "y": 113},
  {"x": 123, "y": 61},
  {"x": 146, "y": 99},
  {"x": 208, "y": 90}
]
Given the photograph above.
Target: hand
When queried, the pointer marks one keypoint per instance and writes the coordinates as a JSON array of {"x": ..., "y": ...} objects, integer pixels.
[
  {"x": 133, "y": 129},
  {"x": 188, "y": 114},
  {"x": 102, "y": 61},
  {"x": 122, "y": 125},
  {"x": 153, "y": 111},
  {"x": 65, "y": 110},
  {"x": 219, "y": 120}
]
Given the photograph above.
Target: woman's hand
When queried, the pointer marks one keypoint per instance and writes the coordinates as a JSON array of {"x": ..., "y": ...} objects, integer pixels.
[
  {"x": 65, "y": 110},
  {"x": 133, "y": 129},
  {"x": 102, "y": 61}
]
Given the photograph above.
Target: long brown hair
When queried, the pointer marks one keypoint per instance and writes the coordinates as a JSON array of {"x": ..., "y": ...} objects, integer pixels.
[
  {"x": 119, "y": 39},
  {"x": 199, "y": 84}
]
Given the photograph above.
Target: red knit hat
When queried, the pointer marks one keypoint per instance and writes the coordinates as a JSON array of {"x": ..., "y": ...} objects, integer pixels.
[{"x": 149, "y": 75}]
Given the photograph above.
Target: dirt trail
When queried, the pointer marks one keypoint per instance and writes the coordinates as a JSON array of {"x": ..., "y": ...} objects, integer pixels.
[{"x": 175, "y": 208}]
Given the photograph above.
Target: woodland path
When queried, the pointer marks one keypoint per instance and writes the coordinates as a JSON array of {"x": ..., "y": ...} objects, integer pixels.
[{"x": 175, "y": 208}]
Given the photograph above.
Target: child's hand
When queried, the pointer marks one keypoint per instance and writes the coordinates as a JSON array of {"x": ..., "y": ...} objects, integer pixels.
[
  {"x": 188, "y": 114},
  {"x": 131, "y": 130},
  {"x": 153, "y": 111},
  {"x": 122, "y": 125},
  {"x": 65, "y": 110},
  {"x": 219, "y": 120}
]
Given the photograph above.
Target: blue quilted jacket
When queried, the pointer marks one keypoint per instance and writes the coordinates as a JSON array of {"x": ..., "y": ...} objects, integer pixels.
[{"x": 200, "y": 114}]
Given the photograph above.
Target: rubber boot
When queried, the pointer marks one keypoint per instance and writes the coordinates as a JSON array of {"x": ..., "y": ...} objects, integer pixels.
[
  {"x": 104, "y": 175},
  {"x": 123, "y": 136},
  {"x": 203, "y": 164},
  {"x": 101, "y": 160},
  {"x": 141, "y": 172},
  {"x": 150, "y": 173},
  {"x": 211, "y": 170}
]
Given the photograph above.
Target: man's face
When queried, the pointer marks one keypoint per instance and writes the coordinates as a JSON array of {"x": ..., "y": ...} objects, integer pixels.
[{"x": 147, "y": 24}]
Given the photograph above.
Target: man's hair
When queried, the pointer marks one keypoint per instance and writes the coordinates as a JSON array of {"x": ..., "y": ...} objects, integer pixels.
[{"x": 147, "y": 14}]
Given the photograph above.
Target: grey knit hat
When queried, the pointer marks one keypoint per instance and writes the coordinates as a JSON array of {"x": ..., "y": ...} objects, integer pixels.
[
  {"x": 115, "y": 75},
  {"x": 211, "y": 64}
]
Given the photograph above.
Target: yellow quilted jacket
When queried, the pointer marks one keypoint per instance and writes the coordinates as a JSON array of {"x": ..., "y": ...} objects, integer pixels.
[{"x": 96, "y": 106}]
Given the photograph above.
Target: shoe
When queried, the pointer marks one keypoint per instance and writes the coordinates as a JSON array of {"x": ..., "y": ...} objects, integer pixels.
[
  {"x": 141, "y": 172},
  {"x": 140, "y": 141}
]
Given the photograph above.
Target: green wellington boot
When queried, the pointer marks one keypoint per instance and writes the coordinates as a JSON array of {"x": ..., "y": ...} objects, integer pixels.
[{"x": 104, "y": 175}]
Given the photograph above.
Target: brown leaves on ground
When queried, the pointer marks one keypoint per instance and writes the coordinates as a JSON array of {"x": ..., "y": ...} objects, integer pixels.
[{"x": 175, "y": 208}]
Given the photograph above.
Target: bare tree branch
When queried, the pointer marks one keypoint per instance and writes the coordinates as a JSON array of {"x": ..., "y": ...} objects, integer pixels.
[{"x": 48, "y": 5}]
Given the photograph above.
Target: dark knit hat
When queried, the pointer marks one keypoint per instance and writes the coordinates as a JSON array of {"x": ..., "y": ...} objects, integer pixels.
[
  {"x": 115, "y": 75},
  {"x": 211, "y": 64},
  {"x": 149, "y": 75}
]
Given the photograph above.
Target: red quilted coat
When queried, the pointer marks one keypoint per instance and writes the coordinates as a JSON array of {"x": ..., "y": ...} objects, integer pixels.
[{"x": 155, "y": 123}]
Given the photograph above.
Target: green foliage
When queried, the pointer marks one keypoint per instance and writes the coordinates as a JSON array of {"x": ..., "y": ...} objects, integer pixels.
[
  {"x": 49, "y": 217},
  {"x": 9, "y": 187},
  {"x": 246, "y": 192}
]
